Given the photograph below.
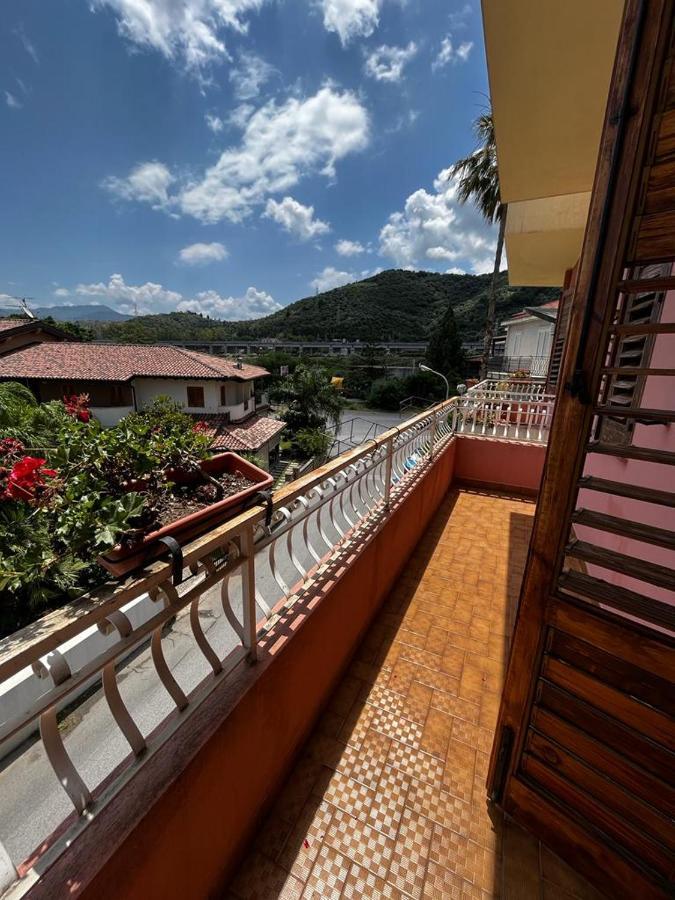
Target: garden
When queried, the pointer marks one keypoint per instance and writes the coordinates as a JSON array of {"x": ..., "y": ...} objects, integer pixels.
[{"x": 73, "y": 494}]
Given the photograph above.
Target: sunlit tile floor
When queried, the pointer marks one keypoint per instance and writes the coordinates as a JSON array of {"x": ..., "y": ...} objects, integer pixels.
[{"x": 388, "y": 796}]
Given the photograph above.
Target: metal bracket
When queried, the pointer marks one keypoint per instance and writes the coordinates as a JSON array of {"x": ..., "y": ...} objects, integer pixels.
[
  {"x": 176, "y": 558},
  {"x": 506, "y": 739},
  {"x": 263, "y": 498}
]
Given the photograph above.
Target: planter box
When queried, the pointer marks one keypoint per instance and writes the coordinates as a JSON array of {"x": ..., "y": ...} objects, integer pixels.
[{"x": 120, "y": 560}]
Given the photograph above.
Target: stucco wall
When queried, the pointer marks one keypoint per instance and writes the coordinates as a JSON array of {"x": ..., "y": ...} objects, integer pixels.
[
  {"x": 658, "y": 394},
  {"x": 510, "y": 464},
  {"x": 147, "y": 389}
]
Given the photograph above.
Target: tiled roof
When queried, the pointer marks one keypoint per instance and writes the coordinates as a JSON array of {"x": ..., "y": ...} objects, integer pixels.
[
  {"x": 119, "y": 362},
  {"x": 249, "y": 435},
  {"x": 527, "y": 314},
  {"x": 9, "y": 324}
]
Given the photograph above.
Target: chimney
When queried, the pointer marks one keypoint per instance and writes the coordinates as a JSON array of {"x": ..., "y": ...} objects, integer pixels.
[{"x": 238, "y": 363}]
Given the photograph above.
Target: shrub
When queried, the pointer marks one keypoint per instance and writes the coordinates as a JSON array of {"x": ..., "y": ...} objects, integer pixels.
[
  {"x": 313, "y": 442},
  {"x": 387, "y": 393}
]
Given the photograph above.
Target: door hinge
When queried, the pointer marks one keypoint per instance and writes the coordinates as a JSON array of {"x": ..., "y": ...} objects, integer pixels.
[{"x": 506, "y": 737}]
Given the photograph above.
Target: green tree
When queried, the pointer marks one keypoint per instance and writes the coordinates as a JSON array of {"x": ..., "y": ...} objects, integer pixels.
[
  {"x": 310, "y": 399},
  {"x": 78, "y": 331},
  {"x": 479, "y": 182},
  {"x": 444, "y": 352}
]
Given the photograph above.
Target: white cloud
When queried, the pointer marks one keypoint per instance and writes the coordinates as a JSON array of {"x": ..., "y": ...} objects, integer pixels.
[
  {"x": 349, "y": 248},
  {"x": 214, "y": 123},
  {"x": 148, "y": 182},
  {"x": 435, "y": 226},
  {"x": 296, "y": 218},
  {"x": 331, "y": 278},
  {"x": 350, "y": 19},
  {"x": 12, "y": 101},
  {"x": 449, "y": 54},
  {"x": 201, "y": 254},
  {"x": 455, "y": 270},
  {"x": 188, "y": 30},
  {"x": 387, "y": 63},
  {"x": 155, "y": 298},
  {"x": 250, "y": 75},
  {"x": 253, "y": 304},
  {"x": 280, "y": 145},
  {"x": 62, "y": 292},
  {"x": 28, "y": 45},
  {"x": 149, "y": 297}
]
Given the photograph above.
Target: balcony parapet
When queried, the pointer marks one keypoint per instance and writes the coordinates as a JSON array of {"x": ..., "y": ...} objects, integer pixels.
[{"x": 261, "y": 564}]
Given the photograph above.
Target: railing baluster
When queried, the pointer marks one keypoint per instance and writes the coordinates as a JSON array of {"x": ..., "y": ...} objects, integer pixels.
[
  {"x": 56, "y": 668},
  {"x": 166, "y": 593},
  {"x": 121, "y": 624},
  {"x": 248, "y": 594}
]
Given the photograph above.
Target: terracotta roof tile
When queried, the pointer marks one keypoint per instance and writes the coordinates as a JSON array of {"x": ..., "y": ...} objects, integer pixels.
[
  {"x": 247, "y": 436},
  {"x": 119, "y": 362}
]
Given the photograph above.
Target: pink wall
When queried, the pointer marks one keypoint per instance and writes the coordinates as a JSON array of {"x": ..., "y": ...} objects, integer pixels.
[
  {"x": 495, "y": 463},
  {"x": 659, "y": 393}
]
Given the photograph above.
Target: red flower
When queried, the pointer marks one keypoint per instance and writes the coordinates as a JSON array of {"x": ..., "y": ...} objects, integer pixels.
[
  {"x": 200, "y": 427},
  {"x": 77, "y": 406},
  {"x": 26, "y": 479}
]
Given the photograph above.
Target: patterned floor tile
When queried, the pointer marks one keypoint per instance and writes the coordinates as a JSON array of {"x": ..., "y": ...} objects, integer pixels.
[
  {"x": 362, "y": 884},
  {"x": 411, "y": 853},
  {"x": 416, "y": 764},
  {"x": 302, "y": 846},
  {"x": 328, "y": 876},
  {"x": 261, "y": 879},
  {"x": 360, "y": 843},
  {"x": 366, "y": 763},
  {"x": 390, "y": 798}
]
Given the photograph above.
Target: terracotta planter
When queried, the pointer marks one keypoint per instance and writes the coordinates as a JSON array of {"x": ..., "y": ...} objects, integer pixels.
[{"x": 120, "y": 560}]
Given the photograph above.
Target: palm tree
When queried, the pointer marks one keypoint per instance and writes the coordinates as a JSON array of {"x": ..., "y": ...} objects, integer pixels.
[{"x": 479, "y": 181}]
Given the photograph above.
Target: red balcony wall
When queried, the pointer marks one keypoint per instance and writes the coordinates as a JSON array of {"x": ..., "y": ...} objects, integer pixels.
[
  {"x": 499, "y": 464},
  {"x": 188, "y": 841}
]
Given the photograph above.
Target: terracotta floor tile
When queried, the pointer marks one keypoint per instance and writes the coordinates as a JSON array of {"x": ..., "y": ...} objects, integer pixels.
[
  {"x": 391, "y": 795},
  {"x": 411, "y": 853},
  {"x": 436, "y": 736},
  {"x": 366, "y": 763},
  {"x": 361, "y": 843},
  {"x": 388, "y": 798},
  {"x": 328, "y": 876},
  {"x": 362, "y": 884},
  {"x": 302, "y": 845},
  {"x": 260, "y": 879},
  {"x": 418, "y": 701}
]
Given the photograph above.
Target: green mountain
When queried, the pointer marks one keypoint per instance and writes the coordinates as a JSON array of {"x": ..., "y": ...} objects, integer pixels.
[{"x": 393, "y": 305}]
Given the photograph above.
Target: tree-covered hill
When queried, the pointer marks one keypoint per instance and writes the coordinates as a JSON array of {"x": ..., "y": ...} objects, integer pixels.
[{"x": 394, "y": 305}]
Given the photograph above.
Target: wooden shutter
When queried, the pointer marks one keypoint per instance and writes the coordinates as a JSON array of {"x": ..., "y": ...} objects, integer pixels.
[
  {"x": 584, "y": 753},
  {"x": 560, "y": 333}
]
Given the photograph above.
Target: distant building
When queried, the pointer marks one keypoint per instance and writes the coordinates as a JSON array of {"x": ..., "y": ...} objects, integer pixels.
[
  {"x": 121, "y": 378},
  {"x": 15, "y": 334},
  {"x": 526, "y": 344}
]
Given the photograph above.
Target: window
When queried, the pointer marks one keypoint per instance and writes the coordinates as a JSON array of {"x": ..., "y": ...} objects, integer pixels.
[
  {"x": 195, "y": 396},
  {"x": 223, "y": 395}
]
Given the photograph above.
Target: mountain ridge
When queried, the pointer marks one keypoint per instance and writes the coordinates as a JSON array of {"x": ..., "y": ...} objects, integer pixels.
[{"x": 394, "y": 305}]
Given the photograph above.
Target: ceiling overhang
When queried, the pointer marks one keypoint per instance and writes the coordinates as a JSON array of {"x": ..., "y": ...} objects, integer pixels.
[{"x": 549, "y": 66}]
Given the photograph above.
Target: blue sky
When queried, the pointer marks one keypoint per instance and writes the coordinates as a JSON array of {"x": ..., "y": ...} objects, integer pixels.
[{"x": 231, "y": 156}]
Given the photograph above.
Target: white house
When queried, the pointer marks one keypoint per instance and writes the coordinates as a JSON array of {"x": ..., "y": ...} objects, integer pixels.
[
  {"x": 121, "y": 378},
  {"x": 528, "y": 341}
]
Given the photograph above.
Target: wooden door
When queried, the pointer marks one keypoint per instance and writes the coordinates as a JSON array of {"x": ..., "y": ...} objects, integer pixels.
[{"x": 584, "y": 752}]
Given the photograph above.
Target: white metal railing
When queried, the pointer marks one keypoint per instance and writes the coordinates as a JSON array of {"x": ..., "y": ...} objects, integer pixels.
[
  {"x": 242, "y": 576},
  {"x": 507, "y": 415},
  {"x": 245, "y": 572}
]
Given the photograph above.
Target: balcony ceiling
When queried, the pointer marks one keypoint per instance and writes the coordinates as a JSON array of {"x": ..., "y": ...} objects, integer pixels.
[{"x": 549, "y": 66}]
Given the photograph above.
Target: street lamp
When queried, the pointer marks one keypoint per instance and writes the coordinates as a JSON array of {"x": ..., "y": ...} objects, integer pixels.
[{"x": 424, "y": 368}]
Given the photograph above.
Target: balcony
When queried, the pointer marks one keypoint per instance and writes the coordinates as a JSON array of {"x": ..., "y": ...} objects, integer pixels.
[
  {"x": 160, "y": 749},
  {"x": 534, "y": 366}
]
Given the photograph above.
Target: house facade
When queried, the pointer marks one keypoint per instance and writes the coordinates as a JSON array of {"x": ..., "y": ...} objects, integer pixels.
[
  {"x": 526, "y": 346},
  {"x": 122, "y": 378}
]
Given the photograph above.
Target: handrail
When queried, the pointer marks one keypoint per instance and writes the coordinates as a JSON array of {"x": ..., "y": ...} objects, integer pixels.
[{"x": 260, "y": 569}]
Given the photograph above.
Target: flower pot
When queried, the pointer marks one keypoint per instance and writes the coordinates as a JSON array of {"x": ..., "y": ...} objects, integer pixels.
[{"x": 120, "y": 560}]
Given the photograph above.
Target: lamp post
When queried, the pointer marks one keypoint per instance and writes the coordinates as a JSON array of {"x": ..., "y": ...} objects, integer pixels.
[{"x": 424, "y": 368}]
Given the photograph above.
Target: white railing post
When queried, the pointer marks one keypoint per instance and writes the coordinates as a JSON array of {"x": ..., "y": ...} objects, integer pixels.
[
  {"x": 250, "y": 637},
  {"x": 388, "y": 471},
  {"x": 432, "y": 429}
]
